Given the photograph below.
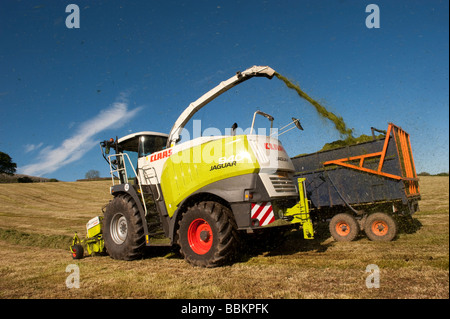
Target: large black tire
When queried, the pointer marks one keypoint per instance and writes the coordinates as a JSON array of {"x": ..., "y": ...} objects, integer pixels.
[
  {"x": 344, "y": 227},
  {"x": 380, "y": 227},
  {"x": 207, "y": 234},
  {"x": 123, "y": 230}
]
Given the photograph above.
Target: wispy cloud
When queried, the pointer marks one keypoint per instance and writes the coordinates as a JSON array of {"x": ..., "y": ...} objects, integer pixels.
[
  {"x": 32, "y": 147},
  {"x": 51, "y": 159}
]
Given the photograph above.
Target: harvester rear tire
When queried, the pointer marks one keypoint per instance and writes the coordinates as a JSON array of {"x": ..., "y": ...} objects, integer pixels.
[
  {"x": 344, "y": 227},
  {"x": 123, "y": 230},
  {"x": 207, "y": 234},
  {"x": 380, "y": 227}
]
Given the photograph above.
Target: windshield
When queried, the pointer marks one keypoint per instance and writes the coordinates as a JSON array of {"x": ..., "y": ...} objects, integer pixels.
[{"x": 150, "y": 144}]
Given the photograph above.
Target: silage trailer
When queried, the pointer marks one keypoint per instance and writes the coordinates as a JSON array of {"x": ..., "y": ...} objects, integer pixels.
[{"x": 367, "y": 186}]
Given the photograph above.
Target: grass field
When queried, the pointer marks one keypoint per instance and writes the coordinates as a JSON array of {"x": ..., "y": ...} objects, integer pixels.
[{"x": 38, "y": 220}]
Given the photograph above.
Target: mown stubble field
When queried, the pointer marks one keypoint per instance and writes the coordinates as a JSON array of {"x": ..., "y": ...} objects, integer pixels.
[{"x": 36, "y": 221}]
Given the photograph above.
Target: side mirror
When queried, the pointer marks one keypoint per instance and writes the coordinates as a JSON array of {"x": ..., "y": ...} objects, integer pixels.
[
  {"x": 297, "y": 123},
  {"x": 284, "y": 129},
  {"x": 107, "y": 145}
]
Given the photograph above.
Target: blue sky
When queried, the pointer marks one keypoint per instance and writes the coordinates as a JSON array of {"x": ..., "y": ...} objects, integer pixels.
[{"x": 135, "y": 65}]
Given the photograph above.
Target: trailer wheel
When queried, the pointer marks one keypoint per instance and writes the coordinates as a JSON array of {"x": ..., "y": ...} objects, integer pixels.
[
  {"x": 344, "y": 227},
  {"x": 380, "y": 227},
  {"x": 123, "y": 230},
  {"x": 207, "y": 234}
]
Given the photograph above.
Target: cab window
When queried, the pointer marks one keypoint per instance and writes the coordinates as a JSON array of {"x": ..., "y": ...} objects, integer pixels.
[{"x": 149, "y": 144}]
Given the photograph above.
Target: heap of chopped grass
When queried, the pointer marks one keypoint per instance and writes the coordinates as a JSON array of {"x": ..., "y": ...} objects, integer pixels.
[{"x": 349, "y": 141}]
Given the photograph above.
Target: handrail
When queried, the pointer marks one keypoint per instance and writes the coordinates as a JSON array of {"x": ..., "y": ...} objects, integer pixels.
[{"x": 124, "y": 169}]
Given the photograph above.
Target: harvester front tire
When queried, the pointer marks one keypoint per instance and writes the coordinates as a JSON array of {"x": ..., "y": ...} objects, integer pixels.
[
  {"x": 344, "y": 227},
  {"x": 380, "y": 227},
  {"x": 207, "y": 234},
  {"x": 123, "y": 230}
]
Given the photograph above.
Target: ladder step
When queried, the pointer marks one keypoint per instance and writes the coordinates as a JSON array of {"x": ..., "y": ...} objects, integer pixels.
[
  {"x": 156, "y": 233},
  {"x": 154, "y": 224}
]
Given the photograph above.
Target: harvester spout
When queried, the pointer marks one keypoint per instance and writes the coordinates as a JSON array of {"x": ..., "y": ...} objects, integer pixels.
[{"x": 258, "y": 71}]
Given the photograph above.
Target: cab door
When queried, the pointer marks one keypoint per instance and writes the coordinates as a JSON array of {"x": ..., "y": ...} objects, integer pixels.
[
  {"x": 150, "y": 149},
  {"x": 149, "y": 146}
]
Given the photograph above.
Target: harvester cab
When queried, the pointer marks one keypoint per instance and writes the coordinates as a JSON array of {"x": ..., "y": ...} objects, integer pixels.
[{"x": 200, "y": 194}]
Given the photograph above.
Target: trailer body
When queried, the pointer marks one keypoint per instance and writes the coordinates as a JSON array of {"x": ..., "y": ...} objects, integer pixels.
[{"x": 360, "y": 179}]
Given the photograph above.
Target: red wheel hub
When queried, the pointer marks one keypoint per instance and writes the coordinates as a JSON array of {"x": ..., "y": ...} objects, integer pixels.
[{"x": 200, "y": 236}]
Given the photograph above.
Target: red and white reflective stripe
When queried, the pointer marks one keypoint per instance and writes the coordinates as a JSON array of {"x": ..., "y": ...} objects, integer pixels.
[{"x": 263, "y": 212}]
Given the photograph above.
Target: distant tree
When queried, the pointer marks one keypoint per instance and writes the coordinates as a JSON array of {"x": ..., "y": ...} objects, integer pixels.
[
  {"x": 24, "y": 179},
  {"x": 424, "y": 174},
  {"x": 92, "y": 174},
  {"x": 442, "y": 174},
  {"x": 6, "y": 164}
]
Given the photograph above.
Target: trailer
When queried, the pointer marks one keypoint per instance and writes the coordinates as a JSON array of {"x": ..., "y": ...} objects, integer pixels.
[{"x": 367, "y": 186}]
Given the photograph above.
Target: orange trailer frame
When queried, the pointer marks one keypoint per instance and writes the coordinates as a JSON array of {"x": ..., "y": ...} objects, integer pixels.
[{"x": 403, "y": 144}]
